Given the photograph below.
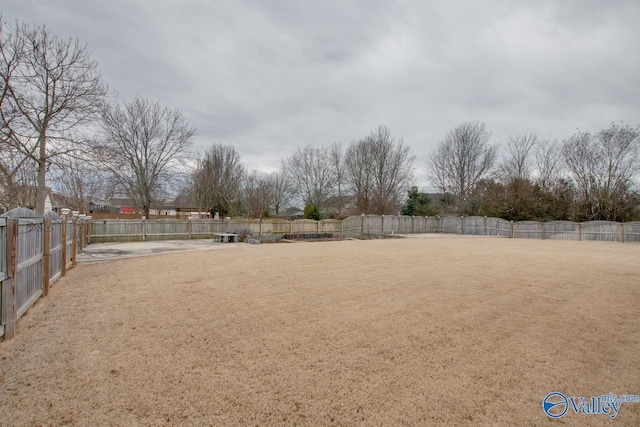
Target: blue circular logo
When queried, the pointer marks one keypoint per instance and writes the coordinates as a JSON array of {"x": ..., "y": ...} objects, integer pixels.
[{"x": 555, "y": 405}]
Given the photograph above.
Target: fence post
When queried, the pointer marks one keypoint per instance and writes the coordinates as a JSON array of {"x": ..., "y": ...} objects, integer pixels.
[
  {"x": 621, "y": 232},
  {"x": 143, "y": 230},
  {"x": 63, "y": 237},
  {"x": 438, "y": 224},
  {"x": 189, "y": 229},
  {"x": 260, "y": 227},
  {"x": 46, "y": 257},
  {"x": 485, "y": 226},
  {"x": 9, "y": 285},
  {"x": 74, "y": 243},
  {"x": 413, "y": 224},
  {"x": 82, "y": 235},
  {"x": 512, "y": 231},
  {"x": 382, "y": 228},
  {"x": 542, "y": 230},
  {"x": 579, "y": 231},
  {"x": 362, "y": 224},
  {"x": 462, "y": 224}
]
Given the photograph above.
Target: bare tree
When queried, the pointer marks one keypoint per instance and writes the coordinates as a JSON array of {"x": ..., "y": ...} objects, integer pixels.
[
  {"x": 79, "y": 182},
  {"x": 312, "y": 174},
  {"x": 257, "y": 194},
  {"x": 18, "y": 179},
  {"x": 217, "y": 180},
  {"x": 518, "y": 162},
  {"x": 280, "y": 191},
  {"x": 144, "y": 144},
  {"x": 13, "y": 165},
  {"x": 16, "y": 173},
  {"x": 463, "y": 158},
  {"x": 337, "y": 157},
  {"x": 379, "y": 172},
  {"x": 547, "y": 155},
  {"x": 50, "y": 89},
  {"x": 604, "y": 167},
  {"x": 360, "y": 175}
]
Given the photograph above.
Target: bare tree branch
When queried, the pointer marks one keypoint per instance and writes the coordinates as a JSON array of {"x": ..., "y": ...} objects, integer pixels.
[
  {"x": 51, "y": 88},
  {"x": 217, "y": 180},
  {"x": 518, "y": 161},
  {"x": 280, "y": 192},
  {"x": 143, "y": 145},
  {"x": 257, "y": 193},
  {"x": 463, "y": 158},
  {"x": 547, "y": 163},
  {"x": 79, "y": 183},
  {"x": 604, "y": 167},
  {"x": 379, "y": 172},
  {"x": 312, "y": 174}
]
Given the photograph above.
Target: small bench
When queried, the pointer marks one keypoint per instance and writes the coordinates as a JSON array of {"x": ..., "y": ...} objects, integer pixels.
[{"x": 225, "y": 237}]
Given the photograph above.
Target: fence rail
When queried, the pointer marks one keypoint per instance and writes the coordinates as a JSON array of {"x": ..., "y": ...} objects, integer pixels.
[
  {"x": 34, "y": 253},
  {"x": 114, "y": 230}
]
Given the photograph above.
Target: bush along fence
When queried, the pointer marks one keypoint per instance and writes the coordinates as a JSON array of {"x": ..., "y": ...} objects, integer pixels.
[
  {"x": 118, "y": 230},
  {"x": 34, "y": 253}
]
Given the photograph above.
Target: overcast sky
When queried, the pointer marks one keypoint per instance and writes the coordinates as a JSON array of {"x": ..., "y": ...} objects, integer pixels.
[{"x": 271, "y": 75}]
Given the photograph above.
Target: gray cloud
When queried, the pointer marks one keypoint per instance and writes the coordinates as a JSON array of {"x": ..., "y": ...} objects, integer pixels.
[{"x": 270, "y": 76}]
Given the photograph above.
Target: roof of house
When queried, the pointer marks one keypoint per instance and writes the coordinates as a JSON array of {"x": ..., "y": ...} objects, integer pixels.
[
  {"x": 291, "y": 211},
  {"x": 339, "y": 201}
]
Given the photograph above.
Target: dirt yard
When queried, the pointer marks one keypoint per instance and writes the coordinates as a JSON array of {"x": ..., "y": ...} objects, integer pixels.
[{"x": 433, "y": 331}]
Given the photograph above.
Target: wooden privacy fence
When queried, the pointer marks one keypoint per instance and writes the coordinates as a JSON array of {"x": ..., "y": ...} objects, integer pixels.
[
  {"x": 34, "y": 253},
  {"x": 114, "y": 230},
  {"x": 124, "y": 230}
]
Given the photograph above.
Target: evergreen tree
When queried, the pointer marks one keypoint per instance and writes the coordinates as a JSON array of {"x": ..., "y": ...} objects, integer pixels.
[{"x": 418, "y": 203}]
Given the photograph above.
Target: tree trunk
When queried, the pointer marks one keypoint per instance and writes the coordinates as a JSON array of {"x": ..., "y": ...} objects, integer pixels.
[{"x": 41, "y": 193}]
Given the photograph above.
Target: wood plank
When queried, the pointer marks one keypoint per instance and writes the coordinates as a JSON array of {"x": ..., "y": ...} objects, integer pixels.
[
  {"x": 9, "y": 286},
  {"x": 63, "y": 240},
  {"x": 74, "y": 248},
  {"x": 46, "y": 257}
]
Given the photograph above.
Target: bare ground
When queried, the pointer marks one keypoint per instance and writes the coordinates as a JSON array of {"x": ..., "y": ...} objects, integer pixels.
[{"x": 460, "y": 331}]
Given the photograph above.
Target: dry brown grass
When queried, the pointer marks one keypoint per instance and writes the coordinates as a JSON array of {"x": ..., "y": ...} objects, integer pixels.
[{"x": 460, "y": 331}]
